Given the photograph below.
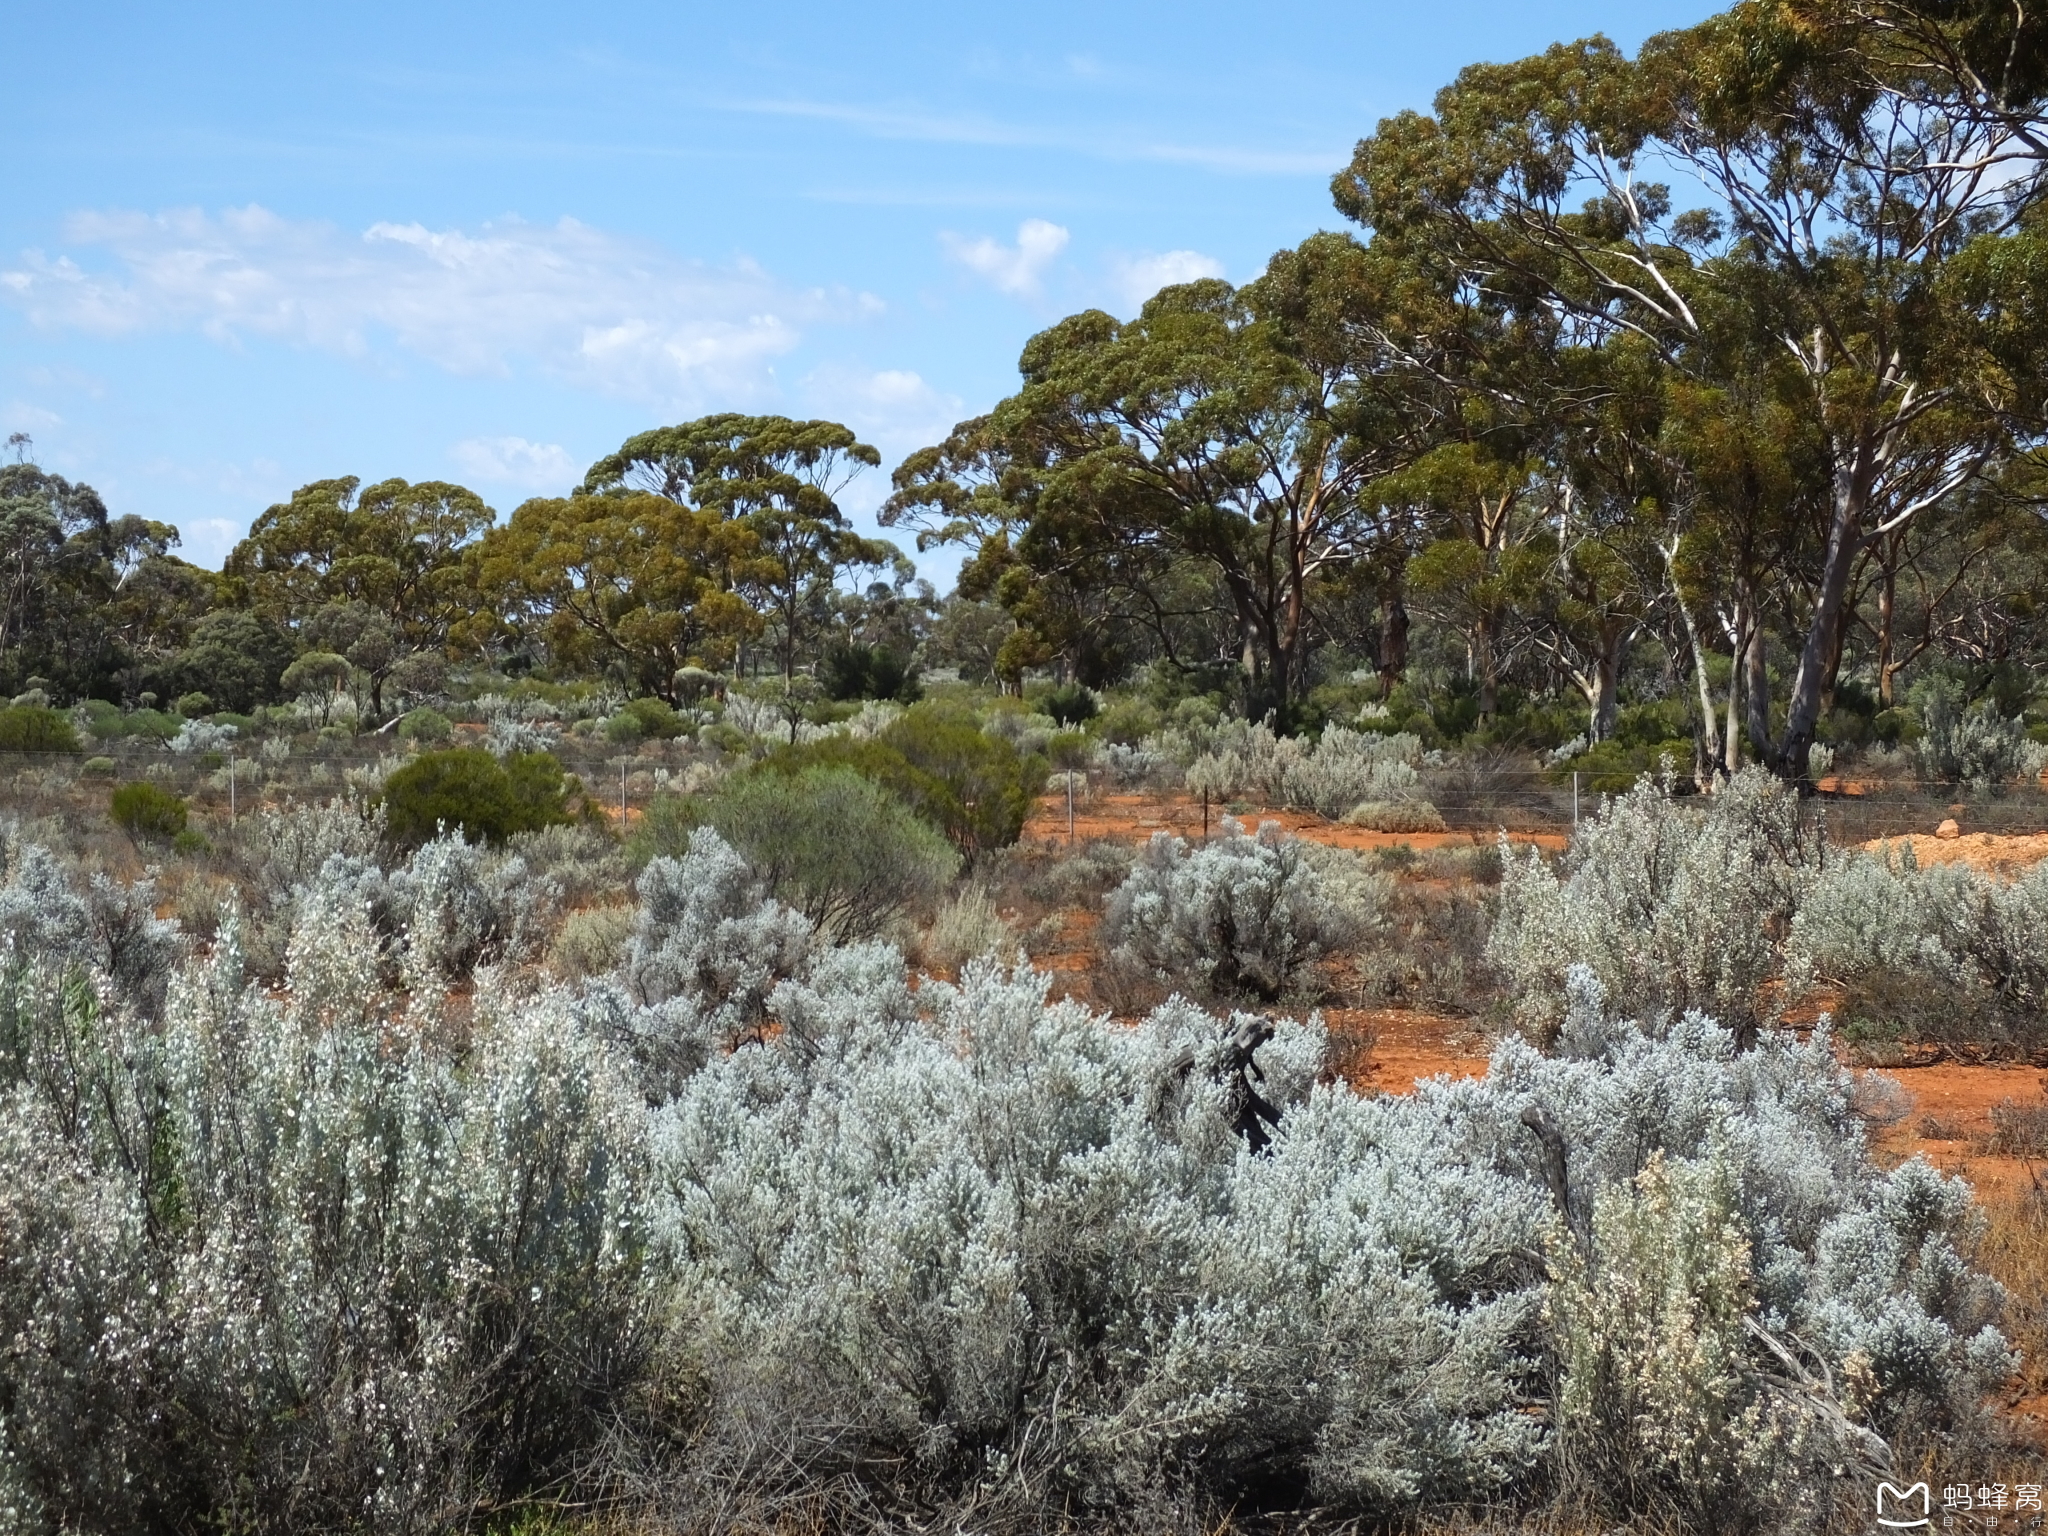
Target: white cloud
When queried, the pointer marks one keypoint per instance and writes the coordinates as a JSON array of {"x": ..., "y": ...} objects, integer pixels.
[
  {"x": 516, "y": 462},
  {"x": 623, "y": 315},
  {"x": 1137, "y": 278},
  {"x": 1011, "y": 269},
  {"x": 895, "y": 409}
]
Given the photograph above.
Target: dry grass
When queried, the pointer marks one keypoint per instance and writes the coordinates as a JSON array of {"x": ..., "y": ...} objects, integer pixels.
[{"x": 2015, "y": 1252}]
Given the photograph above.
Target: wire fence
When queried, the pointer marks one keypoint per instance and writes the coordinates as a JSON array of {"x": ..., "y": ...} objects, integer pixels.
[{"x": 1474, "y": 797}]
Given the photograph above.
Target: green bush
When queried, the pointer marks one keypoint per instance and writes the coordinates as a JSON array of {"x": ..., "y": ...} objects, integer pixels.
[
  {"x": 655, "y": 718},
  {"x": 834, "y": 844},
  {"x": 104, "y": 720},
  {"x": 425, "y": 724},
  {"x": 1070, "y": 704},
  {"x": 867, "y": 672},
  {"x": 1128, "y": 721},
  {"x": 978, "y": 789},
  {"x": 467, "y": 789},
  {"x": 195, "y": 704},
  {"x": 97, "y": 767},
  {"x": 151, "y": 725},
  {"x": 33, "y": 728},
  {"x": 986, "y": 787},
  {"x": 146, "y": 810}
]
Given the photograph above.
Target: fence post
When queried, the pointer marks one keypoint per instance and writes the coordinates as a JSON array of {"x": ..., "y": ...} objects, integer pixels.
[
  {"x": 1070, "y": 807},
  {"x": 1575, "y": 799},
  {"x": 1205, "y": 816},
  {"x": 622, "y": 797},
  {"x": 231, "y": 789}
]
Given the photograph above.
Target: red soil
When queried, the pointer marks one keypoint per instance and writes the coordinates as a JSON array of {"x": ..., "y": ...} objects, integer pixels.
[
  {"x": 2006, "y": 856},
  {"x": 1135, "y": 817}
]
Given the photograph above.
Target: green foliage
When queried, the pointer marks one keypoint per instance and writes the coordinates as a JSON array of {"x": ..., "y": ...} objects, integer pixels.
[
  {"x": 193, "y": 705},
  {"x": 849, "y": 671},
  {"x": 234, "y": 657},
  {"x": 424, "y": 724},
  {"x": 976, "y": 787},
  {"x": 466, "y": 789},
  {"x": 1127, "y": 721},
  {"x": 641, "y": 718},
  {"x": 34, "y": 728},
  {"x": 834, "y": 844},
  {"x": 1613, "y": 768},
  {"x": 1070, "y": 704},
  {"x": 146, "y": 810},
  {"x": 986, "y": 788},
  {"x": 98, "y": 768}
]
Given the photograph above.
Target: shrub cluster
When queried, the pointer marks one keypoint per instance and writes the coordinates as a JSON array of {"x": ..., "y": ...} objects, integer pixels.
[
  {"x": 1340, "y": 769},
  {"x": 1239, "y": 917},
  {"x": 470, "y": 790},
  {"x": 751, "y": 1218}
]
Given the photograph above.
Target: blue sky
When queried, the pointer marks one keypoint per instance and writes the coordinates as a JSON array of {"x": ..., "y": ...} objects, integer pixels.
[{"x": 244, "y": 247}]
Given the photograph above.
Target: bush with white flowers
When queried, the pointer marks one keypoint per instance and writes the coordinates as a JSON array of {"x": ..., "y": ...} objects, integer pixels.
[{"x": 758, "y": 1219}]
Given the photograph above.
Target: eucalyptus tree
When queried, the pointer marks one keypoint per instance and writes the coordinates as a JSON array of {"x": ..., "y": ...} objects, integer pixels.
[
  {"x": 779, "y": 479},
  {"x": 1214, "y": 451},
  {"x": 1860, "y": 216},
  {"x": 378, "y": 571},
  {"x": 632, "y": 584}
]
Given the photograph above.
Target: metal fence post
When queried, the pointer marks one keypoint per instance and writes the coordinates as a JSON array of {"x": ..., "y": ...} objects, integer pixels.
[{"x": 1575, "y": 799}]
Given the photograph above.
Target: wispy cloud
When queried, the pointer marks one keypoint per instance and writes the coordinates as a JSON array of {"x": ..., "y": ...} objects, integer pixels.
[
  {"x": 1110, "y": 143},
  {"x": 622, "y": 315},
  {"x": 1012, "y": 269},
  {"x": 1137, "y": 278},
  {"x": 514, "y": 461}
]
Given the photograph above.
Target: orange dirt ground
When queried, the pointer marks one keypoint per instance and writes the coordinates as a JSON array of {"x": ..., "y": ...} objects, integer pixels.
[
  {"x": 1946, "y": 1105},
  {"x": 1135, "y": 817},
  {"x": 2007, "y": 856}
]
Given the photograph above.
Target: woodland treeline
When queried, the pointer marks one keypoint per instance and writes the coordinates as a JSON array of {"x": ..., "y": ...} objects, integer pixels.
[{"x": 1707, "y": 382}]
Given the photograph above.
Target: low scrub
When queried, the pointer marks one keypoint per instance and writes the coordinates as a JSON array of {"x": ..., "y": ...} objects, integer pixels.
[
  {"x": 468, "y": 790},
  {"x": 835, "y": 845},
  {"x": 148, "y": 811},
  {"x": 752, "y": 1222},
  {"x": 1239, "y": 917}
]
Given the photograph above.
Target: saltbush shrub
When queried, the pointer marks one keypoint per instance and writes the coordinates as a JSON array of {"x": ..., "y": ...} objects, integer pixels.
[
  {"x": 328, "y": 1257},
  {"x": 1945, "y": 954},
  {"x": 1329, "y": 775},
  {"x": 36, "y": 728},
  {"x": 1396, "y": 816},
  {"x": 146, "y": 810},
  {"x": 1672, "y": 904},
  {"x": 467, "y": 789},
  {"x": 1238, "y": 917},
  {"x": 1960, "y": 743}
]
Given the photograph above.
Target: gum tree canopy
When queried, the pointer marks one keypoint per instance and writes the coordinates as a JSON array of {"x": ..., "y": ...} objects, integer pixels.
[
  {"x": 777, "y": 478},
  {"x": 1853, "y": 195},
  {"x": 1231, "y": 430}
]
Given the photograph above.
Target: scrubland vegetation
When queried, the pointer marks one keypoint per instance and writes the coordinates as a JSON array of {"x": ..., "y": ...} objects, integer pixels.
[{"x": 554, "y": 1022}]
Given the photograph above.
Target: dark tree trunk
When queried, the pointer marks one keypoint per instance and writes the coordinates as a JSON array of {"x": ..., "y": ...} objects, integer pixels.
[{"x": 1393, "y": 648}]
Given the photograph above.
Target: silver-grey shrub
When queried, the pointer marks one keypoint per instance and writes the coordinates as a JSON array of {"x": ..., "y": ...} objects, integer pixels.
[
  {"x": 1340, "y": 769},
  {"x": 286, "y": 1263},
  {"x": 1012, "y": 1253},
  {"x": 1237, "y": 917},
  {"x": 1672, "y": 904},
  {"x": 465, "y": 905},
  {"x": 1946, "y": 952}
]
